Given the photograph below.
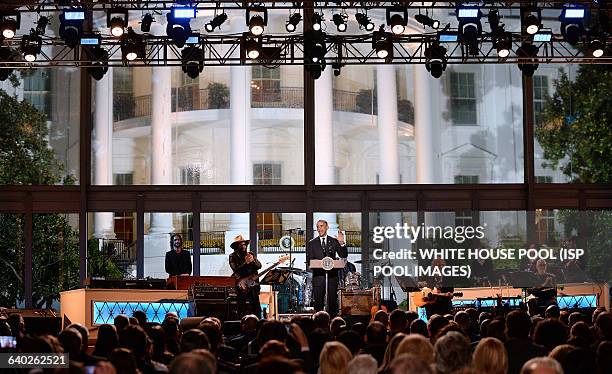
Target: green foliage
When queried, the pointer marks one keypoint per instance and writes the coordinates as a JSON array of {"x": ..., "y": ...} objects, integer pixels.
[
  {"x": 577, "y": 125},
  {"x": 11, "y": 259},
  {"x": 218, "y": 96},
  {"x": 100, "y": 265}
]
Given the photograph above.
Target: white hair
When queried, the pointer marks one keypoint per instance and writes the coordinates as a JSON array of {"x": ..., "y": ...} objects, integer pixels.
[
  {"x": 534, "y": 364},
  {"x": 363, "y": 364}
]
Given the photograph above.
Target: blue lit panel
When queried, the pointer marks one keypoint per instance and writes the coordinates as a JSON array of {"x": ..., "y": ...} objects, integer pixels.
[
  {"x": 542, "y": 37},
  {"x": 106, "y": 311},
  {"x": 90, "y": 41},
  {"x": 445, "y": 38},
  {"x": 184, "y": 13},
  {"x": 463, "y": 303},
  {"x": 468, "y": 13},
  {"x": 581, "y": 301},
  {"x": 193, "y": 40},
  {"x": 74, "y": 15},
  {"x": 575, "y": 13}
]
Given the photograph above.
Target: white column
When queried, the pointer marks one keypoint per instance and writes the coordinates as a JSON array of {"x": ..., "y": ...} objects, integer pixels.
[
  {"x": 241, "y": 168},
  {"x": 325, "y": 170},
  {"x": 103, "y": 149},
  {"x": 161, "y": 140},
  {"x": 387, "y": 125},
  {"x": 423, "y": 125}
]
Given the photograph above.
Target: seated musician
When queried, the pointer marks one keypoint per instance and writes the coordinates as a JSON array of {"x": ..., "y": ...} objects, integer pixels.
[
  {"x": 545, "y": 279},
  {"x": 440, "y": 302},
  {"x": 178, "y": 261},
  {"x": 243, "y": 264}
]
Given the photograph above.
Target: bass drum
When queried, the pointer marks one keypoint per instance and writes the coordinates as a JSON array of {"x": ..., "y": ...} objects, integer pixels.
[
  {"x": 307, "y": 285},
  {"x": 283, "y": 298}
]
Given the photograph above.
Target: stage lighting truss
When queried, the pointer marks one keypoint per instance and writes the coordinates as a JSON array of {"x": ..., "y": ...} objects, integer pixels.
[{"x": 364, "y": 46}]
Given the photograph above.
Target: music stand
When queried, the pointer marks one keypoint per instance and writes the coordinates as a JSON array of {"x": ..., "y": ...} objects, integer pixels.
[
  {"x": 327, "y": 264},
  {"x": 275, "y": 277}
]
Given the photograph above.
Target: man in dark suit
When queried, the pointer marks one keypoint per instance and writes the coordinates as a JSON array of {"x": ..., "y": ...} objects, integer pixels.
[
  {"x": 316, "y": 249},
  {"x": 178, "y": 261}
]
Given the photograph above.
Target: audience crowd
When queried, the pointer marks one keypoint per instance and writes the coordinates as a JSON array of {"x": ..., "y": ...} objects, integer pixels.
[{"x": 467, "y": 342}]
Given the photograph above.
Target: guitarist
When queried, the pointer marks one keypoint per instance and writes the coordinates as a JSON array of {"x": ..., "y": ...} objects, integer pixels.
[{"x": 243, "y": 264}]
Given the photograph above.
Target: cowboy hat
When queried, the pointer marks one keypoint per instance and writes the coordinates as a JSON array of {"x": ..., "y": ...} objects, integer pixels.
[{"x": 238, "y": 240}]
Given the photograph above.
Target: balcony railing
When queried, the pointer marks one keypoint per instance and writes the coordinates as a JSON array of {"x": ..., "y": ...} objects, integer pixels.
[{"x": 188, "y": 98}]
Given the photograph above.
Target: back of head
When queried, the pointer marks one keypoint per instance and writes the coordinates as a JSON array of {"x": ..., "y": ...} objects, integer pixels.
[
  {"x": 490, "y": 356},
  {"x": 550, "y": 333},
  {"x": 604, "y": 357},
  {"x": 248, "y": 323},
  {"x": 362, "y": 364},
  {"x": 463, "y": 320},
  {"x": 107, "y": 340},
  {"x": 418, "y": 326},
  {"x": 604, "y": 326},
  {"x": 191, "y": 363},
  {"x": 213, "y": 332},
  {"x": 334, "y": 358},
  {"x": 382, "y": 317},
  {"x": 398, "y": 320},
  {"x": 542, "y": 365},
  {"x": 84, "y": 335},
  {"x": 273, "y": 348},
  {"x": 390, "y": 352},
  {"x": 518, "y": 324},
  {"x": 560, "y": 351},
  {"x": 496, "y": 329},
  {"x": 452, "y": 352},
  {"x": 271, "y": 330},
  {"x": 321, "y": 319},
  {"x": 70, "y": 339},
  {"x": 194, "y": 339},
  {"x": 581, "y": 334},
  {"x": 123, "y": 360},
  {"x": 120, "y": 322},
  {"x": 408, "y": 363},
  {"x": 140, "y": 316},
  {"x": 376, "y": 334},
  {"x": 336, "y": 324},
  {"x": 417, "y": 345},
  {"x": 552, "y": 311},
  {"x": 436, "y": 323},
  {"x": 277, "y": 365},
  {"x": 579, "y": 361},
  {"x": 351, "y": 340},
  {"x": 134, "y": 338}
]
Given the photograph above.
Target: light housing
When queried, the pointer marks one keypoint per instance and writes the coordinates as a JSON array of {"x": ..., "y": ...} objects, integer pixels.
[
  {"x": 132, "y": 46},
  {"x": 527, "y": 57},
  {"x": 340, "y": 21},
  {"x": 503, "y": 44},
  {"x": 71, "y": 26},
  {"x": 257, "y": 19},
  {"x": 382, "y": 43},
  {"x": 192, "y": 61},
  {"x": 470, "y": 27},
  {"x": 216, "y": 22},
  {"x": 397, "y": 19},
  {"x": 99, "y": 58},
  {"x": 145, "y": 23},
  {"x": 532, "y": 20},
  {"x": 117, "y": 20},
  {"x": 317, "y": 21},
  {"x": 572, "y": 26},
  {"x": 435, "y": 59},
  {"x": 597, "y": 47},
  {"x": 178, "y": 29},
  {"x": 315, "y": 50},
  {"x": 251, "y": 47},
  {"x": 31, "y": 45},
  {"x": 293, "y": 22},
  {"x": 425, "y": 20},
  {"x": 364, "y": 21},
  {"x": 9, "y": 24},
  {"x": 7, "y": 54}
]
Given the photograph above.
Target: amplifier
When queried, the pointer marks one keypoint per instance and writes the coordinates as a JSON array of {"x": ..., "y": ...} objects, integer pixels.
[
  {"x": 199, "y": 292},
  {"x": 359, "y": 302}
]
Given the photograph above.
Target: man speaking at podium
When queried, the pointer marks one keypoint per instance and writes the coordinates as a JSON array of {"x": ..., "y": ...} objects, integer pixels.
[{"x": 316, "y": 249}]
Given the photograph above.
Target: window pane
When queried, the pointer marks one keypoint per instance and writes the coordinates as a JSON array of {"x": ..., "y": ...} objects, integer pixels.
[{"x": 11, "y": 260}]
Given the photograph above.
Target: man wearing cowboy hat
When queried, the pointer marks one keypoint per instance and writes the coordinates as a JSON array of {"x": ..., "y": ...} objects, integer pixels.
[{"x": 243, "y": 264}]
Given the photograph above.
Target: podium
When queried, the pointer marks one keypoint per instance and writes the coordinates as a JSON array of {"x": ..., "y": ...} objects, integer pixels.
[{"x": 327, "y": 264}]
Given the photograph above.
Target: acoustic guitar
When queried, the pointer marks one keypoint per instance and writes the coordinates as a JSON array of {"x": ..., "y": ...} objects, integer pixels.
[
  {"x": 429, "y": 296},
  {"x": 244, "y": 284}
]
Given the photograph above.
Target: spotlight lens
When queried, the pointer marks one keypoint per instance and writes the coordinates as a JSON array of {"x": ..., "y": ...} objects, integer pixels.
[
  {"x": 382, "y": 53},
  {"x": 342, "y": 27},
  {"x": 290, "y": 27},
  {"x": 398, "y": 29},
  {"x": 532, "y": 29},
  {"x": 117, "y": 31},
  {"x": 131, "y": 56},
  {"x": 315, "y": 59},
  {"x": 209, "y": 27},
  {"x": 435, "y": 24},
  {"x": 503, "y": 53},
  {"x": 8, "y": 33},
  {"x": 370, "y": 26},
  {"x": 316, "y": 26},
  {"x": 257, "y": 30},
  {"x": 598, "y": 52},
  {"x": 29, "y": 57},
  {"x": 253, "y": 54}
]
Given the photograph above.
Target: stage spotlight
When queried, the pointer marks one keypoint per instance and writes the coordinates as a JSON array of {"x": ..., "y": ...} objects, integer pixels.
[
  {"x": 364, "y": 21},
  {"x": 41, "y": 25},
  {"x": 397, "y": 19},
  {"x": 117, "y": 21},
  {"x": 597, "y": 47},
  {"x": 340, "y": 21},
  {"x": 71, "y": 26},
  {"x": 252, "y": 47},
  {"x": 293, "y": 22},
  {"x": 532, "y": 22},
  {"x": 435, "y": 59},
  {"x": 99, "y": 57},
  {"x": 425, "y": 20},
  {"x": 6, "y": 55},
  {"x": 178, "y": 27},
  {"x": 527, "y": 56},
  {"x": 470, "y": 27},
  {"x": 317, "y": 21},
  {"x": 31, "y": 46},
  {"x": 257, "y": 22},
  {"x": 382, "y": 43},
  {"x": 9, "y": 25},
  {"x": 145, "y": 23},
  {"x": 315, "y": 50},
  {"x": 503, "y": 44},
  {"x": 132, "y": 46},
  {"x": 571, "y": 24},
  {"x": 216, "y": 22},
  {"x": 192, "y": 61}
]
